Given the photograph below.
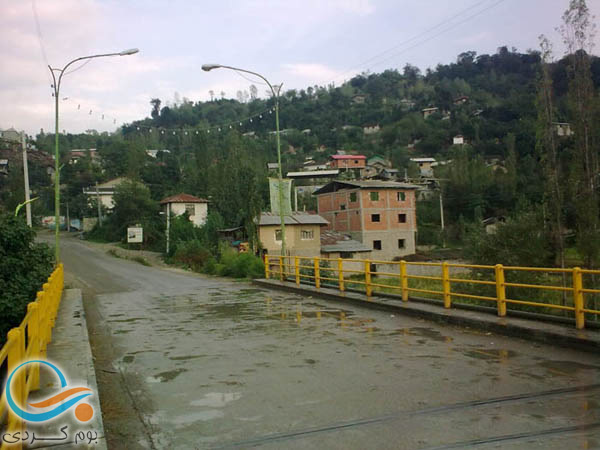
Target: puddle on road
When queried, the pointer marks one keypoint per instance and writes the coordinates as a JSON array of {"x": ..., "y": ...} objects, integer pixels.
[
  {"x": 217, "y": 399},
  {"x": 186, "y": 358},
  {"x": 133, "y": 319},
  {"x": 428, "y": 333},
  {"x": 128, "y": 359},
  {"x": 566, "y": 368},
  {"x": 165, "y": 376}
]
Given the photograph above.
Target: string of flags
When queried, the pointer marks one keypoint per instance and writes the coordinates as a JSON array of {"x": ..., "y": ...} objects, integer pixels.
[
  {"x": 235, "y": 124},
  {"x": 238, "y": 123}
]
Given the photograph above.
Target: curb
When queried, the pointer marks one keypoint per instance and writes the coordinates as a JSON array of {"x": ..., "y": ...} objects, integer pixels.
[
  {"x": 70, "y": 349},
  {"x": 546, "y": 333}
]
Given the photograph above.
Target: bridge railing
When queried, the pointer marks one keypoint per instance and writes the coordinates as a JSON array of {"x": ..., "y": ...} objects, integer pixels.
[
  {"x": 572, "y": 291},
  {"x": 26, "y": 342}
]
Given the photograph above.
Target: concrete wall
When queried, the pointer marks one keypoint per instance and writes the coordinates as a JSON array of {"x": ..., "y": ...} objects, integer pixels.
[{"x": 200, "y": 212}]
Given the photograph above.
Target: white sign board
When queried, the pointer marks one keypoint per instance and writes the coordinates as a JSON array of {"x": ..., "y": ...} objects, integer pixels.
[{"x": 135, "y": 235}]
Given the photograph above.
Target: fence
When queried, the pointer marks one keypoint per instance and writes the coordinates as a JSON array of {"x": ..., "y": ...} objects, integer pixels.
[
  {"x": 492, "y": 280},
  {"x": 26, "y": 342}
]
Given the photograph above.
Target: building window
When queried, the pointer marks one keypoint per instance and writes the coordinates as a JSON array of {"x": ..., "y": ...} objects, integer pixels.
[
  {"x": 346, "y": 255},
  {"x": 401, "y": 218},
  {"x": 342, "y": 206},
  {"x": 400, "y": 196},
  {"x": 190, "y": 209},
  {"x": 278, "y": 235},
  {"x": 375, "y": 218},
  {"x": 374, "y": 196},
  {"x": 401, "y": 243},
  {"x": 355, "y": 162},
  {"x": 352, "y": 196},
  {"x": 307, "y": 235},
  {"x": 376, "y": 245}
]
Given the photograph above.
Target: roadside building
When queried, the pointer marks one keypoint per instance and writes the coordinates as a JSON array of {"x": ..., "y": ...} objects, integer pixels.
[
  {"x": 104, "y": 192},
  {"x": 302, "y": 233},
  {"x": 378, "y": 214},
  {"x": 197, "y": 208},
  {"x": 346, "y": 162}
]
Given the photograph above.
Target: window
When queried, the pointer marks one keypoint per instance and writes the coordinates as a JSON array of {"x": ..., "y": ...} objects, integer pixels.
[
  {"x": 342, "y": 206},
  {"x": 346, "y": 255},
  {"x": 352, "y": 196},
  {"x": 400, "y": 196},
  {"x": 374, "y": 196},
  {"x": 375, "y": 218},
  {"x": 355, "y": 162},
  {"x": 307, "y": 235},
  {"x": 278, "y": 235},
  {"x": 401, "y": 243},
  {"x": 190, "y": 209},
  {"x": 376, "y": 245},
  {"x": 401, "y": 218}
]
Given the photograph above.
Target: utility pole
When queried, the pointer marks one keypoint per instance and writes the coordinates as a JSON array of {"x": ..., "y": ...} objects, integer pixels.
[
  {"x": 168, "y": 226},
  {"x": 26, "y": 177},
  {"x": 99, "y": 206},
  {"x": 442, "y": 219}
]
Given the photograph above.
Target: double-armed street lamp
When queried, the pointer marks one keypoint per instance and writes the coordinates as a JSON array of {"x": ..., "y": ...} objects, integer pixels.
[
  {"x": 208, "y": 67},
  {"x": 56, "y": 93}
]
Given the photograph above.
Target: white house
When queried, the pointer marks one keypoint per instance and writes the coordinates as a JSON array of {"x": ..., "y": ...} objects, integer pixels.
[
  {"x": 197, "y": 208},
  {"x": 104, "y": 192},
  {"x": 458, "y": 140}
]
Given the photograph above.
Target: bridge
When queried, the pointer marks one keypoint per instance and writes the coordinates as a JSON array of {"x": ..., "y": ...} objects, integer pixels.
[{"x": 191, "y": 361}]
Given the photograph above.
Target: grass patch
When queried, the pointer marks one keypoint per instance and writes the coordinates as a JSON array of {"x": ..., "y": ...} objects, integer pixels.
[
  {"x": 113, "y": 252},
  {"x": 143, "y": 261}
]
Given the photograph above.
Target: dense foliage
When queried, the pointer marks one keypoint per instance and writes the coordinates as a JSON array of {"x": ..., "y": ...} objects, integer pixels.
[{"x": 24, "y": 268}]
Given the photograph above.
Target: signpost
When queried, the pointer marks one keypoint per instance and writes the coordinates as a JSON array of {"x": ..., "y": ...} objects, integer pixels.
[{"x": 135, "y": 235}]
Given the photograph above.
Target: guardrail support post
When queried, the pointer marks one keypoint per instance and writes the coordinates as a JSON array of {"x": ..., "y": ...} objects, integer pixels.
[
  {"x": 266, "y": 266},
  {"x": 297, "y": 269},
  {"x": 317, "y": 279},
  {"x": 404, "y": 280},
  {"x": 280, "y": 267},
  {"x": 341, "y": 273},
  {"x": 446, "y": 285},
  {"x": 35, "y": 340},
  {"x": 15, "y": 357},
  {"x": 500, "y": 290},
  {"x": 368, "y": 287},
  {"x": 578, "y": 298}
]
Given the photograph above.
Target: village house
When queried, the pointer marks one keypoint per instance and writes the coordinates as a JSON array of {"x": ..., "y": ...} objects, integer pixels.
[
  {"x": 458, "y": 140},
  {"x": 154, "y": 153},
  {"x": 425, "y": 166},
  {"x": 461, "y": 100},
  {"x": 371, "y": 129},
  {"x": 563, "y": 129},
  {"x": 78, "y": 153},
  {"x": 11, "y": 135},
  {"x": 379, "y": 214},
  {"x": 429, "y": 111},
  {"x": 346, "y": 162},
  {"x": 104, "y": 192},
  {"x": 196, "y": 208},
  {"x": 302, "y": 233}
]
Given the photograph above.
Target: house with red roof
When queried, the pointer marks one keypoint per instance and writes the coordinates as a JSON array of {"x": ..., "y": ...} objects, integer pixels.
[
  {"x": 197, "y": 208},
  {"x": 346, "y": 162}
]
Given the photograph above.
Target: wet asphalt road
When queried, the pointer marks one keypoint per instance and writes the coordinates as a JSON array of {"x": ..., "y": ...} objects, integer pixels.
[{"x": 188, "y": 361}]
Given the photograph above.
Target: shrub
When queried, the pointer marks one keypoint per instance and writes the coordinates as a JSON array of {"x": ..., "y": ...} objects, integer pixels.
[
  {"x": 24, "y": 268},
  {"x": 192, "y": 254}
]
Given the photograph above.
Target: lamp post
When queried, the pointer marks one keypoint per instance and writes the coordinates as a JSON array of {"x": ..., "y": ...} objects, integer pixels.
[
  {"x": 56, "y": 92},
  {"x": 208, "y": 67}
]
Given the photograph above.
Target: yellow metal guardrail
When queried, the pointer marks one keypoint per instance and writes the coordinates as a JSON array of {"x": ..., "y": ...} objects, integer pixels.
[
  {"x": 29, "y": 341},
  {"x": 299, "y": 268}
]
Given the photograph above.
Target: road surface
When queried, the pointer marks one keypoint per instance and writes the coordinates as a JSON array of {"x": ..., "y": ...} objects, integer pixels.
[{"x": 190, "y": 361}]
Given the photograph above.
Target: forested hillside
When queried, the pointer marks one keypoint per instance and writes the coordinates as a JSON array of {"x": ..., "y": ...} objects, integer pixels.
[{"x": 219, "y": 149}]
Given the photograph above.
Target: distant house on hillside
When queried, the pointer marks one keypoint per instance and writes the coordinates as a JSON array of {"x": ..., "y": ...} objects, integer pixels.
[
  {"x": 197, "y": 208},
  {"x": 461, "y": 100},
  {"x": 77, "y": 153},
  {"x": 563, "y": 129},
  {"x": 154, "y": 153},
  {"x": 371, "y": 129},
  {"x": 345, "y": 162},
  {"x": 359, "y": 99},
  {"x": 425, "y": 166},
  {"x": 105, "y": 191},
  {"x": 11, "y": 135},
  {"x": 429, "y": 111},
  {"x": 458, "y": 140}
]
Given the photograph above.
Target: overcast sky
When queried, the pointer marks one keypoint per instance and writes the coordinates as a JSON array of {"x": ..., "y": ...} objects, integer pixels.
[{"x": 298, "y": 42}]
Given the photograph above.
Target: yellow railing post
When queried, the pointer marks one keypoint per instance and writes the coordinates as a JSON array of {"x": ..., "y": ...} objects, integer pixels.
[
  {"x": 15, "y": 357},
  {"x": 317, "y": 279},
  {"x": 297, "y": 270},
  {"x": 34, "y": 340},
  {"x": 368, "y": 287},
  {"x": 578, "y": 298},
  {"x": 446, "y": 285},
  {"x": 267, "y": 266},
  {"x": 500, "y": 290},
  {"x": 341, "y": 273},
  {"x": 404, "y": 280},
  {"x": 280, "y": 268}
]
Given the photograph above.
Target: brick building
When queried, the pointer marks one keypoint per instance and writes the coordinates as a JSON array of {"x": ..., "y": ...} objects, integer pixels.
[
  {"x": 379, "y": 214},
  {"x": 345, "y": 162}
]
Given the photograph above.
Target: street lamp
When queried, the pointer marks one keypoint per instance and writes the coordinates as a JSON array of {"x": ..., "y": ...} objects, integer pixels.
[
  {"x": 56, "y": 93},
  {"x": 209, "y": 67}
]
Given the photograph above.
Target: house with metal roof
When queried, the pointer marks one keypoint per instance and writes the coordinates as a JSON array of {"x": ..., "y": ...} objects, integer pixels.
[
  {"x": 302, "y": 233},
  {"x": 379, "y": 214}
]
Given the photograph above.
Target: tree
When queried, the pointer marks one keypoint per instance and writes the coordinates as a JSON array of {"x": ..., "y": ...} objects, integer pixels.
[{"x": 155, "y": 102}]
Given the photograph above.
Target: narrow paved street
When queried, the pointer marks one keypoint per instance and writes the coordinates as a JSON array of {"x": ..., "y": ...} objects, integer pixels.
[{"x": 189, "y": 361}]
